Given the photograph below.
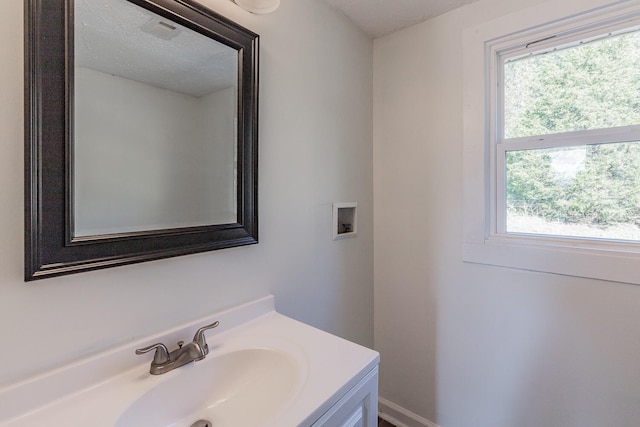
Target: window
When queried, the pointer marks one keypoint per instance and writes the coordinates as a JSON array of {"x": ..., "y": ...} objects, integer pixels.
[
  {"x": 568, "y": 145},
  {"x": 558, "y": 143}
]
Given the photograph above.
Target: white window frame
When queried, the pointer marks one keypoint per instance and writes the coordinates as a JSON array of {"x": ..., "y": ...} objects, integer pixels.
[{"x": 484, "y": 233}]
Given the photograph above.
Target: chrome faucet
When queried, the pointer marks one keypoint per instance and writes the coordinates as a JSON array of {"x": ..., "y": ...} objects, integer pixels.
[{"x": 163, "y": 361}]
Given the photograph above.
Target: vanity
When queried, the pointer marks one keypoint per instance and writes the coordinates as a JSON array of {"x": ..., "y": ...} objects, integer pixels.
[
  {"x": 141, "y": 143},
  {"x": 262, "y": 369}
]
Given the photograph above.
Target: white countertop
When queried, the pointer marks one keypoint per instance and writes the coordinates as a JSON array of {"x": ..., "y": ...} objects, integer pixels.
[{"x": 97, "y": 390}]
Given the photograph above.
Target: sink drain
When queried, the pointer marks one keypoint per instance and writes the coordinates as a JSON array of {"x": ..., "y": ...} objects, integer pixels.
[{"x": 202, "y": 423}]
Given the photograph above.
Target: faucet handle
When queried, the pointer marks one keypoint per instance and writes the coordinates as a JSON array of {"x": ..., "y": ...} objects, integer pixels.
[
  {"x": 200, "y": 339},
  {"x": 161, "y": 355}
]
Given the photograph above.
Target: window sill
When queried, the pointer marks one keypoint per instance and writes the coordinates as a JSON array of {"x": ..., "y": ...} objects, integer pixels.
[{"x": 611, "y": 262}]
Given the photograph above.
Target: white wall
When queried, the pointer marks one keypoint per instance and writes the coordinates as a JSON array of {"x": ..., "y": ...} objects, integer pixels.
[
  {"x": 315, "y": 148},
  {"x": 470, "y": 345},
  {"x": 218, "y": 115},
  {"x": 150, "y": 158}
]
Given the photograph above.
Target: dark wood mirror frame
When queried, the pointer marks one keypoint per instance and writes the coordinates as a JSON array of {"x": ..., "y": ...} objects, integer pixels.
[{"x": 50, "y": 247}]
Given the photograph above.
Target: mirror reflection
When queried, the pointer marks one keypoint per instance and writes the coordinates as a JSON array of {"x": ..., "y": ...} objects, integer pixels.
[{"x": 155, "y": 123}]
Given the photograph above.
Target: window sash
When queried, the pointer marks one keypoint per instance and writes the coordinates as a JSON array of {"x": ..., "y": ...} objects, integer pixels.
[
  {"x": 571, "y": 38},
  {"x": 573, "y": 139},
  {"x": 543, "y": 42},
  {"x": 569, "y": 139},
  {"x": 519, "y": 49}
]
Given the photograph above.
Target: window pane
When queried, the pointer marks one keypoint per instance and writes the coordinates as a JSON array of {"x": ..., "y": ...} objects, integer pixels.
[
  {"x": 585, "y": 191},
  {"x": 586, "y": 86}
]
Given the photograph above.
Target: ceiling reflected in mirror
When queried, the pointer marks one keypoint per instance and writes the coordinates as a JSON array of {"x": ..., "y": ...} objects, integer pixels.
[{"x": 123, "y": 39}]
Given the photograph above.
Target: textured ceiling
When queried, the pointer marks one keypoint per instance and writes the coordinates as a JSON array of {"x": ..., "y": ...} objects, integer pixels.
[
  {"x": 113, "y": 36},
  {"x": 381, "y": 17},
  {"x": 110, "y": 37}
]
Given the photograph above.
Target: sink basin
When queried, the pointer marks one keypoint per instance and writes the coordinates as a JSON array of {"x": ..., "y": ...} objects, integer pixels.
[{"x": 240, "y": 388}]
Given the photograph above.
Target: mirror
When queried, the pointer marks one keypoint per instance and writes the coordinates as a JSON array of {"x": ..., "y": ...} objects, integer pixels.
[{"x": 141, "y": 133}]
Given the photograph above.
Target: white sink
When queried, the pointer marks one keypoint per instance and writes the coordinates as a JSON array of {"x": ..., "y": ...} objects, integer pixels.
[
  {"x": 263, "y": 370},
  {"x": 240, "y": 388}
]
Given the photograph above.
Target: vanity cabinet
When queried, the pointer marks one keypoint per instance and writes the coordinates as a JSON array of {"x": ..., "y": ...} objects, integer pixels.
[{"x": 357, "y": 408}]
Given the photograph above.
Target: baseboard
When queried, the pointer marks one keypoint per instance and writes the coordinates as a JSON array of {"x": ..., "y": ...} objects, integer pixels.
[{"x": 399, "y": 416}]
